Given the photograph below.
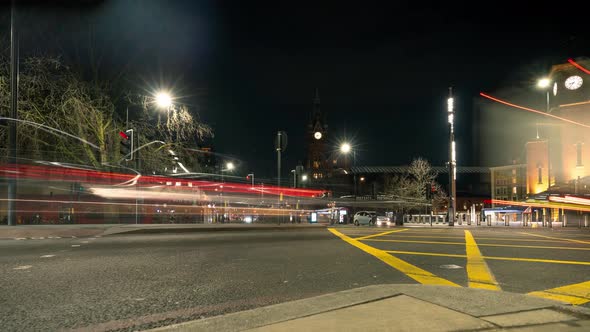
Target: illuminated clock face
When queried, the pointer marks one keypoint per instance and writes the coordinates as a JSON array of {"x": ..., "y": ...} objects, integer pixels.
[
  {"x": 317, "y": 135},
  {"x": 573, "y": 82},
  {"x": 555, "y": 89}
]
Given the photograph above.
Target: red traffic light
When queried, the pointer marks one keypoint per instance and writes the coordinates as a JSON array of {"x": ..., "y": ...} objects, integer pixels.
[{"x": 123, "y": 135}]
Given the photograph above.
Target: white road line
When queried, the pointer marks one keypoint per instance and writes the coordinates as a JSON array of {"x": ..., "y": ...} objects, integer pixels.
[
  {"x": 23, "y": 267},
  {"x": 20, "y": 238},
  {"x": 85, "y": 242},
  {"x": 75, "y": 245},
  {"x": 47, "y": 256}
]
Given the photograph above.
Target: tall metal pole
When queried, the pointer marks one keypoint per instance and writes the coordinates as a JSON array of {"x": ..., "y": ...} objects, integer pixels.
[
  {"x": 279, "y": 140},
  {"x": 452, "y": 160},
  {"x": 548, "y": 109},
  {"x": 13, "y": 113}
]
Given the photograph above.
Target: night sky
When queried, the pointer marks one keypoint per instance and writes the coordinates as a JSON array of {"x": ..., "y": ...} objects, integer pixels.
[{"x": 251, "y": 67}]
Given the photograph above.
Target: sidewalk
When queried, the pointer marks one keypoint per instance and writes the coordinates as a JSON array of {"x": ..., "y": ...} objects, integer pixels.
[
  {"x": 22, "y": 232},
  {"x": 403, "y": 308}
]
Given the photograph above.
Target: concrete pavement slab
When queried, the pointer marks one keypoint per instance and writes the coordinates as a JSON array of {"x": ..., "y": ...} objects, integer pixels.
[
  {"x": 397, "y": 307},
  {"x": 533, "y": 317},
  {"x": 488, "y": 302},
  {"x": 399, "y": 313}
]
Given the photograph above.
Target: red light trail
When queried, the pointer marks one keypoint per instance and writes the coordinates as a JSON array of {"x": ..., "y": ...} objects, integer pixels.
[
  {"x": 577, "y": 65},
  {"x": 533, "y": 110}
]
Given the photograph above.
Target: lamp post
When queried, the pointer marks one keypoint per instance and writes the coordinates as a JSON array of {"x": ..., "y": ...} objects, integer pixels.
[
  {"x": 229, "y": 166},
  {"x": 544, "y": 83},
  {"x": 452, "y": 159},
  {"x": 346, "y": 148},
  {"x": 294, "y": 172}
]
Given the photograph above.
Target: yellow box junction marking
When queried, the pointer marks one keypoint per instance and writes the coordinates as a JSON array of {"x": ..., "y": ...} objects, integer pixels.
[
  {"x": 575, "y": 294},
  {"x": 380, "y": 234},
  {"x": 533, "y": 260},
  {"x": 556, "y": 238},
  {"x": 414, "y": 272},
  {"x": 481, "y": 244},
  {"x": 478, "y": 273}
]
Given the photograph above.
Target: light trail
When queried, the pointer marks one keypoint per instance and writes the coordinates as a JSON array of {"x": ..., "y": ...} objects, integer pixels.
[
  {"x": 577, "y": 65},
  {"x": 532, "y": 110},
  {"x": 50, "y": 130}
]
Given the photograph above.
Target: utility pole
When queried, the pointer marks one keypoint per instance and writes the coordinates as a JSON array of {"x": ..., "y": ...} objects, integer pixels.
[
  {"x": 11, "y": 216},
  {"x": 452, "y": 160}
]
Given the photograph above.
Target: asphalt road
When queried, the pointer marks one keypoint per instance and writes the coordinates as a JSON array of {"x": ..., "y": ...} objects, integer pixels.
[{"x": 139, "y": 281}]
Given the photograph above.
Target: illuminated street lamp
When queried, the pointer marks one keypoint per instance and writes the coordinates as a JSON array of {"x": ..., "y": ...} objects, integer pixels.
[
  {"x": 304, "y": 177},
  {"x": 346, "y": 148},
  {"x": 163, "y": 99},
  {"x": 544, "y": 83},
  {"x": 229, "y": 166}
]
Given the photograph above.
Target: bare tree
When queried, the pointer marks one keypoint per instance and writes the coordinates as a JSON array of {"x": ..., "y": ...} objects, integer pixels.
[
  {"x": 66, "y": 118},
  {"x": 411, "y": 187}
]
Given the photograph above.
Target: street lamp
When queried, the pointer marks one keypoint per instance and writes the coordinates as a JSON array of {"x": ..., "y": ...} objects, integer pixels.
[
  {"x": 304, "y": 177},
  {"x": 229, "y": 166},
  {"x": 163, "y": 99},
  {"x": 346, "y": 148},
  {"x": 544, "y": 83}
]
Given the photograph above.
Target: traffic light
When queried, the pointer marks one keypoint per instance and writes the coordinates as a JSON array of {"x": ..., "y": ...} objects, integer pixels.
[{"x": 126, "y": 148}]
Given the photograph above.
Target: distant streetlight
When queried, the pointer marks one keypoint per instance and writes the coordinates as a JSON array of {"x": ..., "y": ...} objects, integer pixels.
[
  {"x": 304, "y": 177},
  {"x": 544, "y": 83},
  {"x": 163, "y": 99},
  {"x": 362, "y": 179},
  {"x": 229, "y": 166},
  {"x": 345, "y": 148}
]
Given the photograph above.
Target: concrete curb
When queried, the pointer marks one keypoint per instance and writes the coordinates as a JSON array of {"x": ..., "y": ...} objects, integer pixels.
[{"x": 486, "y": 308}]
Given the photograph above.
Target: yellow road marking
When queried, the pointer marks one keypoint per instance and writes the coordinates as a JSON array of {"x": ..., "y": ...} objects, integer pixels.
[
  {"x": 405, "y": 235},
  {"x": 414, "y": 272},
  {"x": 556, "y": 238},
  {"x": 478, "y": 272},
  {"x": 534, "y": 260},
  {"x": 481, "y": 244},
  {"x": 575, "y": 294},
  {"x": 379, "y": 234}
]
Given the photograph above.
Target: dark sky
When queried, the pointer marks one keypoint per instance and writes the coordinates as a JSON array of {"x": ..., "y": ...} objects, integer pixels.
[{"x": 382, "y": 68}]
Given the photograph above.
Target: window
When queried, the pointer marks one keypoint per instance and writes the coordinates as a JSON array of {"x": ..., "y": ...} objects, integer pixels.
[
  {"x": 579, "y": 154},
  {"x": 514, "y": 190},
  {"x": 539, "y": 175},
  {"x": 316, "y": 164}
]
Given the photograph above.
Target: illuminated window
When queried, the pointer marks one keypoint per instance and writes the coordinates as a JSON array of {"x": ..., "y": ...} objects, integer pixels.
[
  {"x": 514, "y": 190},
  {"x": 315, "y": 175},
  {"x": 539, "y": 175},
  {"x": 334, "y": 162},
  {"x": 316, "y": 164},
  {"x": 579, "y": 154}
]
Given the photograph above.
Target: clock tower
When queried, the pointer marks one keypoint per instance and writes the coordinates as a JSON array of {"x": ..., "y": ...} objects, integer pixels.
[{"x": 316, "y": 137}]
